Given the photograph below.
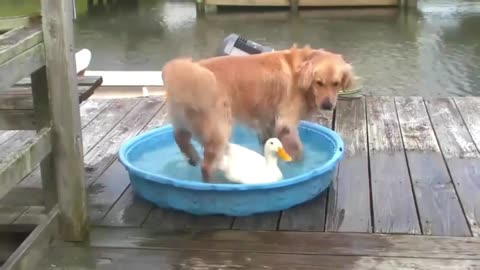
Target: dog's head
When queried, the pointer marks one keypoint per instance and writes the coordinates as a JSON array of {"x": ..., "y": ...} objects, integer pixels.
[{"x": 321, "y": 75}]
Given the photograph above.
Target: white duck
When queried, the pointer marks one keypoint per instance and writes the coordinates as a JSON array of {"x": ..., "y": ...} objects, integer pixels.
[{"x": 245, "y": 166}]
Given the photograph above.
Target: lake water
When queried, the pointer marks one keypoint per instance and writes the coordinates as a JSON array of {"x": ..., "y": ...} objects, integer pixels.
[{"x": 434, "y": 51}]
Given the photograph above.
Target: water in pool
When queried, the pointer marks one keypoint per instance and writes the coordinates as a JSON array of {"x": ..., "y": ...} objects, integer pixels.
[{"x": 168, "y": 161}]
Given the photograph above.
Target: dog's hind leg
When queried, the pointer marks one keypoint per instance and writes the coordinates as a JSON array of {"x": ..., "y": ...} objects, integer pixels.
[
  {"x": 183, "y": 139},
  {"x": 211, "y": 155}
]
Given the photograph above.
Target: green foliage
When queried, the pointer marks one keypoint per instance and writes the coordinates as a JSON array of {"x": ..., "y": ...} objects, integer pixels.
[{"x": 27, "y": 7}]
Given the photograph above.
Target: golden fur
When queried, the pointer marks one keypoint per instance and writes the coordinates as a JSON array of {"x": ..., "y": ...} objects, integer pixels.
[{"x": 270, "y": 92}]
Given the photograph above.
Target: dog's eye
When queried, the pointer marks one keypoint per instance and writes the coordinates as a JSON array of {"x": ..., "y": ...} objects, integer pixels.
[
  {"x": 335, "y": 84},
  {"x": 320, "y": 83}
]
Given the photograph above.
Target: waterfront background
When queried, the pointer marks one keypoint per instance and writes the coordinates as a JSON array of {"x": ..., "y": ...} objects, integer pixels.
[{"x": 434, "y": 51}]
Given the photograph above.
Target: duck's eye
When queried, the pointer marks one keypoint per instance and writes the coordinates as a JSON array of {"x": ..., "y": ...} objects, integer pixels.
[{"x": 271, "y": 143}]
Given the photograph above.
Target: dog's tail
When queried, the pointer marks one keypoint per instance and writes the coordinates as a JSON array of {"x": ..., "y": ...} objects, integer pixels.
[{"x": 189, "y": 84}]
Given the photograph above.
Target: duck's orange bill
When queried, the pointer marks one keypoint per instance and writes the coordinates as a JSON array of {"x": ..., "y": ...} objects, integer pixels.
[{"x": 283, "y": 155}]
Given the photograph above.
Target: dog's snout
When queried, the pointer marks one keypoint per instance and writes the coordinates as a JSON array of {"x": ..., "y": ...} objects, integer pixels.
[{"x": 327, "y": 104}]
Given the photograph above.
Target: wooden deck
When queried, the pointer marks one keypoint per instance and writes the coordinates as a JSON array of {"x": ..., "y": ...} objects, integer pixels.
[{"x": 406, "y": 195}]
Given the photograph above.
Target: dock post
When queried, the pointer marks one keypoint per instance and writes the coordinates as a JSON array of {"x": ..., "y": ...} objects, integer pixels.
[
  {"x": 294, "y": 6},
  {"x": 407, "y": 3},
  {"x": 200, "y": 4},
  {"x": 412, "y": 3}
]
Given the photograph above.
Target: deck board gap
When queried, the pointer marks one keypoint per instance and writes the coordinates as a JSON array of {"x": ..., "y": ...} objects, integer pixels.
[
  {"x": 369, "y": 169},
  {"x": 464, "y": 212},
  {"x": 419, "y": 217}
]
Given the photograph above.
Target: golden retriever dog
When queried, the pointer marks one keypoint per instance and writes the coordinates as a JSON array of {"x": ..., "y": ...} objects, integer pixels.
[{"x": 269, "y": 92}]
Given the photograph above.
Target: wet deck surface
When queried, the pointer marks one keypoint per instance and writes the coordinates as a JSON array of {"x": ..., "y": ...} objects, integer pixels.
[{"x": 412, "y": 168}]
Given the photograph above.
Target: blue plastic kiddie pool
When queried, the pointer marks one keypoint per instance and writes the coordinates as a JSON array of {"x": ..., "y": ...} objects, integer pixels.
[{"x": 159, "y": 173}]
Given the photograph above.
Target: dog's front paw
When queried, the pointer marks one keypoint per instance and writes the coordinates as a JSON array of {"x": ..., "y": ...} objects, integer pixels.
[
  {"x": 193, "y": 162},
  {"x": 192, "y": 158}
]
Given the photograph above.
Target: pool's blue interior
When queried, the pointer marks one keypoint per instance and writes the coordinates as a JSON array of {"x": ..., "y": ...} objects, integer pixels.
[{"x": 160, "y": 155}]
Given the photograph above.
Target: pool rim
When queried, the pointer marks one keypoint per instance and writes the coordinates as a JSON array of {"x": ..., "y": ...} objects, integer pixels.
[{"x": 199, "y": 185}]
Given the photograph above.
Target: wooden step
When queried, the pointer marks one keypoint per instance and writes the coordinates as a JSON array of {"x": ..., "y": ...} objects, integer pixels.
[
  {"x": 21, "y": 52},
  {"x": 20, "y": 96},
  {"x": 127, "y": 248},
  {"x": 14, "y": 167}
]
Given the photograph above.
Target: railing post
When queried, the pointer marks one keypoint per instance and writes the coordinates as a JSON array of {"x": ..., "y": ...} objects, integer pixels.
[
  {"x": 67, "y": 146},
  {"x": 294, "y": 6},
  {"x": 200, "y": 4}
]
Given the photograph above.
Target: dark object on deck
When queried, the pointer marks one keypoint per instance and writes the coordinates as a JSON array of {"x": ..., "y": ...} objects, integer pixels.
[{"x": 235, "y": 44}]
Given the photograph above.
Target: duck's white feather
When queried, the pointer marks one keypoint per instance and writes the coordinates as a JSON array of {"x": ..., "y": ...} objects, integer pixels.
[{"x": 245, "y": 166}]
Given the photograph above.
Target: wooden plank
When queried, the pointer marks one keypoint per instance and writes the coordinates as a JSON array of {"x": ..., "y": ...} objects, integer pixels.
[
  {"x": 16, "y": 102},
  {"x": 349, "y": 197},
  {"x": 105, "y": 122},
  {"x": 5, "y": 135},
  {"x": 173, "y": 220},
  {"x": 314, "y": 243},
  {"x": 89, "y": 111},
  {"x": 98, "y": 121},
  {"x": 9, "y": 23},
  {"x": 22, "y": 99},
  {"x": 81, "y": 81},
  {"x": 114, "y": 181},
  {"x": 35, "y": 247},
  {"x": 309, "y": 216},
  {"x": 34, "y": 215},
  {"x": 8, "y": 214},
  {"x": 97, "y": 129},
  {"x": 394, "y": 208},
  {"x": 261, "y": 222},
  {"x": 438, "y": 205},
  {"x": 15, "y": 143},
  {"x": 18, "y": 41},
  {"x": 18, "y": 228},
  {"x": 108, "y": 258},
  {"x": 105, "y": 152},
  {"x": 130, "y": 211},
  {"x": 106, "y": 190},
  {"x": 99, "y": 116},
  {"x": 41, "y": 107},
  {"x": 86, "y": 88},
  {"x": 24, "y": 196},
  {"x": 468, "y": 107},
  {"x": 17, "y": 67},
  {"x": 91, "y": 108},
  {"x": 17, "y": 119},
  {"x": 29, "y": 190},
  {"x": 461, "y": 156},
  {"x": 20, "y": 164},
  {"x": 67, "y": 152}
]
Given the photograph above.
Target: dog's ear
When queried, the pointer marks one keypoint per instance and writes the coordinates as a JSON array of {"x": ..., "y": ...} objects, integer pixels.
[
  {"x": 306, "y": 75},
  {"x": 347, "y": 76}
]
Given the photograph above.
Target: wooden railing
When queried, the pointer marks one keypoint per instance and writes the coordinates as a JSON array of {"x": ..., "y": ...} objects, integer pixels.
[{"x": 42, "y": 48}]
